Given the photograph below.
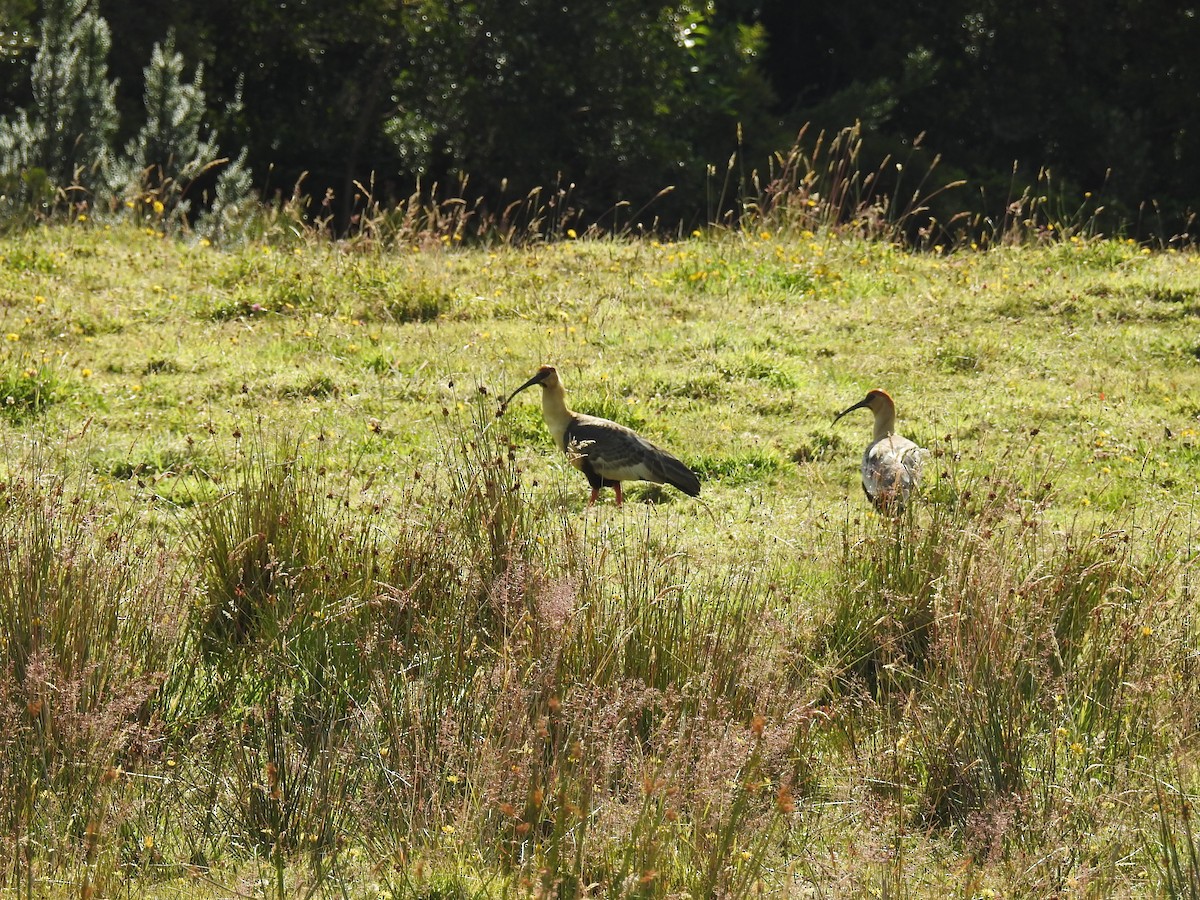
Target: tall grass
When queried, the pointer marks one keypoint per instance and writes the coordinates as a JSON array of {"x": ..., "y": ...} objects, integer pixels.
[
  {"x": 830, "y": 182},
  {"x": 833, "y": 183},
  {"x": 1174, "y": 846},
  {"x": 88, "y": 614},
  {"x": 432, "y": 681},
  {"x": 456, "y": 685},
  {"x": 435, "y": 215},
  {"x": 820, "y": 185},
  {"x": 1014, "y": 662}
]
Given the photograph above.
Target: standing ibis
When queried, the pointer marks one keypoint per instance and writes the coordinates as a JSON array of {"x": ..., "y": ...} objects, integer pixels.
[
  {"x": 891, "y": 464},
  {"x": 606, "y": 452}
]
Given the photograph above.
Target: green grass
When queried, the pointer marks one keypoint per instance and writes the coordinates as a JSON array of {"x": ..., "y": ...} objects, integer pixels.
[{"x": 289, "y": 607}]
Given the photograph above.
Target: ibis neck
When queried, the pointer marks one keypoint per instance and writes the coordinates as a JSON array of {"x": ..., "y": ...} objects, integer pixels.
[
  {"x": 556, "y": 414},
  {"x": 885, "y": 423}
]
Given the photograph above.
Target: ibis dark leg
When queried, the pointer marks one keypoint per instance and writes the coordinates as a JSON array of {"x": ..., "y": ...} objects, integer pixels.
[
  {"x": 617, "y": 488},
  {"x": 593, "y": 478}
]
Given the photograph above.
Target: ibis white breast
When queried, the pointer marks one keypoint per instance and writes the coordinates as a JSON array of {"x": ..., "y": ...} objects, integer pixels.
[{"x": 891, "y": 469}]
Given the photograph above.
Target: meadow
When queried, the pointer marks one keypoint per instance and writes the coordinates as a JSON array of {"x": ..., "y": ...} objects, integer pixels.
[{"x": 288, "y": 609}]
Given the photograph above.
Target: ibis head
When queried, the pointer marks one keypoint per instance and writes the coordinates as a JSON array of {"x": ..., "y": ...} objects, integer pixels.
[
  {"x": 882, "y": 406},
  {"x": 547, "y": 376},
  {"x": 607, "y": 453}
]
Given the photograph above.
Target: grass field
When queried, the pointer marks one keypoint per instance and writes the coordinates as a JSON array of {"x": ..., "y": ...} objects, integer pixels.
[{"x": 288, "y": 609}]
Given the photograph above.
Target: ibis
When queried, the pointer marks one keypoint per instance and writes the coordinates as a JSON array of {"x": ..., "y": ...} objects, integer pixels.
[
  {"x": 891, "y": 464},
  {"x": 607, "y": 453}
]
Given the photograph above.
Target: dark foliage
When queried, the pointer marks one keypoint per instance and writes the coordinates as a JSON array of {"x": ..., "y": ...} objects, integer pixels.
[
  {"x": 623, "y": 99},
  {"x": 1101, "y": 94}
]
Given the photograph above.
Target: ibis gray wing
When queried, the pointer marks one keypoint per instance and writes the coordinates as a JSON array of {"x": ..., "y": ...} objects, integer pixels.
[{"x": 617, "y": 453}]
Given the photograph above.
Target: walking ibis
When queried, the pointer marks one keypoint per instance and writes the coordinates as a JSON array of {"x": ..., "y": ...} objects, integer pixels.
[
  {"x": 891, "y": 464},
  {"x": 606, "y": 452}
]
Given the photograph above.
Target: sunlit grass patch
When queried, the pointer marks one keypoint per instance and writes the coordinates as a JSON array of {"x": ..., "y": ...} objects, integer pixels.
[
  {"x": 244, "y": 303},
  {"x": 719, "y": 268},
  {"x": 396, "y": 296},
  {"x": 742, "y": 467},
  {"x": 161, "y": 366},
  {"x": 154, "y": 462},
  {"x": 316, "y": 386},
  {"x": 960, "y": 358},
  {"x": 524, "y": 425},
  {"x": 820, "y": 446},
  {"x": 1093, "y": 254},
  {"x": 27, "y": 391},
  {"x": 705, "y": 386},
  {"x": 22, "y": 256}
]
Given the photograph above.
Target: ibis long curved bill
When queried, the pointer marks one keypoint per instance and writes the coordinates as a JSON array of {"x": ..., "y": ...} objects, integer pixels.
[
  {"x": 606, "y": 452},
  {"x": 891, "y": 464}
]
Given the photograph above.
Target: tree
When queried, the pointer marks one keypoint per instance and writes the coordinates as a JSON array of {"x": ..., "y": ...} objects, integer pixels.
[
  {"x": 67, "y": 136},
  {"x": 314, "y": 78},
  {"x": 169, "y": 151},
  {"x": 622, "y": 98},
  {"x": 1101, "y": 94},
  {"x": 18, "y": 40}
]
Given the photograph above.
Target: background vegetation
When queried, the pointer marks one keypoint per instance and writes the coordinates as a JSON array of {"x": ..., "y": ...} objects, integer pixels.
[
  {"x": 604, "y": 104},
  {"x": 287, "y": 609}
]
